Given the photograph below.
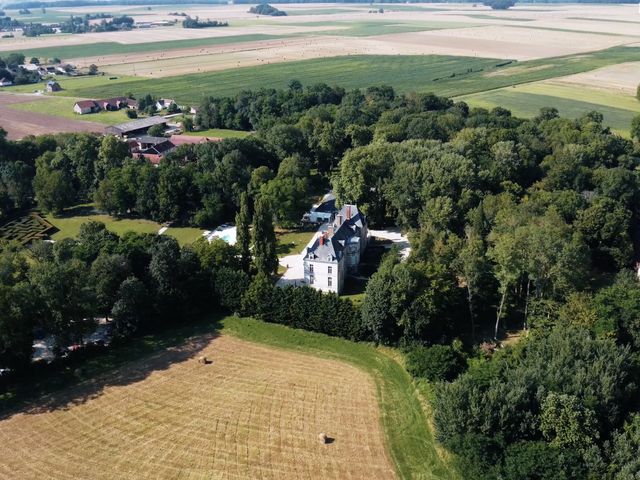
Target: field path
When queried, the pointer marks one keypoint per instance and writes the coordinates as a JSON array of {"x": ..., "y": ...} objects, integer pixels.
[
  {"x": 254, "y": 412},
  {"x": 19, "y": 124}
]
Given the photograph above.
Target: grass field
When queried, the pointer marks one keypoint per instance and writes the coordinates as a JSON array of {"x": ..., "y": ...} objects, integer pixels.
[
  {"x": 255, "y": 412},
  {"x": 219, "y": 133},
  {"x": 526, "y": 101},
  {"x": 68, "y": 225},
  {"x": 443, "y": 75},
  {"x": 63, "y": 107}
]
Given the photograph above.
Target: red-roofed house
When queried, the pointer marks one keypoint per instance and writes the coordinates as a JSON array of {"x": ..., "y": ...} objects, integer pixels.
[{"x": 192, "y": 140}]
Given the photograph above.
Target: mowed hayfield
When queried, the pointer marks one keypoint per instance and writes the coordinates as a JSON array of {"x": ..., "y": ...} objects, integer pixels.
[{"x": 254, "y": 412}]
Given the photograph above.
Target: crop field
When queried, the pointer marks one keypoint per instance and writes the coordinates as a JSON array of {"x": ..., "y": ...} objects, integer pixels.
[
  {"x": 448, "y": 49},
  {"x": 253, "y": 412}
]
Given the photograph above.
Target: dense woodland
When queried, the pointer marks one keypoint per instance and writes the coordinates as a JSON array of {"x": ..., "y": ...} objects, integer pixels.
[{"x": 520, "y": 225}]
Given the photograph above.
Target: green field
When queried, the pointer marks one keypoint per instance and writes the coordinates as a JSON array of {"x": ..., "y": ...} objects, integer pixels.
[
  {"x": 219, "y": 133},
  {"x": 403, "y": 72},
  {"x": 443, "y": 75},
  {"x": 63, "y": 107},
  {"x": 527, "y": 102},
  {"x": 68, "y": 225}
]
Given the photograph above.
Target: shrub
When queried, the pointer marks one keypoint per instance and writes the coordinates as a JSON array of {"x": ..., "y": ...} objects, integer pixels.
[{"x": 436, "y": 363}]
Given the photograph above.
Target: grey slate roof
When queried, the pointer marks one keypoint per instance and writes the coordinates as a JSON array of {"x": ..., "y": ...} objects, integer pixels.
[{"x": 334, "y": 245}]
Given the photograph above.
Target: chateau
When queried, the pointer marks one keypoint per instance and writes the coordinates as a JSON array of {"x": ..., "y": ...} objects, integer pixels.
[{"x": 336, "y": 252}]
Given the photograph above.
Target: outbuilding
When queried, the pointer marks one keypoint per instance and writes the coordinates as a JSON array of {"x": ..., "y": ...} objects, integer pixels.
[{"x": 135, "y": 127}]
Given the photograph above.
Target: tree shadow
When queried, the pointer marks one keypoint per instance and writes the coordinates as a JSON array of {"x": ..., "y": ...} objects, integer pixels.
[{"x": 127, "y": 373}]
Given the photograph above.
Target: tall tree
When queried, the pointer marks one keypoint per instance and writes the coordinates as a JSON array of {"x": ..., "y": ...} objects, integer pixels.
[
  {"x": 243, "y": 238},
  {"x": 264, "y": 238}
]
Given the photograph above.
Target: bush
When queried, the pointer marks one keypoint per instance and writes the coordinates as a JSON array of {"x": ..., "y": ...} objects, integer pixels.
[
  {"x": 132, "y": 114},
  {"x": 436, "y": 363}
]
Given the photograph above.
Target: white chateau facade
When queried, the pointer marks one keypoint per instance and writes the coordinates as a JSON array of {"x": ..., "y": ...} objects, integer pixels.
[{"x": 336, "y": 251}]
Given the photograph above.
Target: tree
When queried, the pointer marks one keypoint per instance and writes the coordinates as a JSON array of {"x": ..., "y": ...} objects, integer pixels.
[
  {"x": 111, "y": 153},
  {"x": 243, "y": 235},
  {"x": 566, "y": 423},
  {"x": 53, "y": 188},
  {"x": 500, "y": 4},
  {"x": 264, "y": 238},
  {"x": 108, "y": 271},
  {"x": 131, "y": 308},
  {"x": 635, "y": 124},
  {"x": 436, "y": 363},
  {"x": 34, "y": 61},
  {"x": 156, "y": 131},
  {"x": 19, "y": 310},
  {"x": 68, "y": 302},
  {"x": 93, "y": 69}
]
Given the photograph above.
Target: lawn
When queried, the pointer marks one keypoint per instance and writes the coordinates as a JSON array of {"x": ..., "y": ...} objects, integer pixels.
[
  {"x": 70, "y": 84},
  {"x": 219, "y": 133},
  {"x": 211, "y": 417},
  {"x": 441, "y": 74},
  {"x": 68, "y": 225},
  {"x": 292, "y": 241},
  {"x": 63, "y": 107}
]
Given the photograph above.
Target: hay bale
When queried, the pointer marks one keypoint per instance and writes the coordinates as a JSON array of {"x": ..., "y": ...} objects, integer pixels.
[
  {"x": 202, "y": 360},
  {"x": 323, "y": 438}
]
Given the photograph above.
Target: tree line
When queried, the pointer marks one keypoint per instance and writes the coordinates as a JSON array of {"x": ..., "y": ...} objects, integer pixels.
[{"x": 515, "y": 224}]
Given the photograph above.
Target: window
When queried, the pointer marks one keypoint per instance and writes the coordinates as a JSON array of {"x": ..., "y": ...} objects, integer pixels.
[
  {"x": 310, "y": 280},
  {"x": 330, "y": 270},
  {"x": 330, "y": 281},
  {"x": 311, "y": 268}
]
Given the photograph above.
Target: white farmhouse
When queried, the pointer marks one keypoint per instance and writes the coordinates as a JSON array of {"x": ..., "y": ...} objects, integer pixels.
[{"x": 336, "y": 252}]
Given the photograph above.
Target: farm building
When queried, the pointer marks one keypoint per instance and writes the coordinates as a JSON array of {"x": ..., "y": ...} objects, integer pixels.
[
  {"x": 113, "y": 104},
  {"x": 336, "y": 251},
  {"x": 53, "y": 86},
  {"x": 5, "y": 82},
  {"x": 83, "y": 107},
  {"x": 152, "y": 148},
  {"x": 135, "y": 127}
]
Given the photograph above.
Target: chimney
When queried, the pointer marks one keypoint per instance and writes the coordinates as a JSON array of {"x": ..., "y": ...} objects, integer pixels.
[
  {"x": 348, "y": 212},
  {"x": 339, "y": 220},
  {"x": 321, "y": 239},
  {"x": 330, "y": 231}
]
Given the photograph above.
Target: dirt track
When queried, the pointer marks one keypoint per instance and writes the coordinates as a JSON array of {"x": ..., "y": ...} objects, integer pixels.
[{"x": 19, "y": 124}]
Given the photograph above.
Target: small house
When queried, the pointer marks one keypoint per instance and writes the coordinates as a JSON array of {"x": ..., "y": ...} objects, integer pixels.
[
  {"x": 164, "y": 103},
  {"x": 83, "y": 107},
  {"x": 53, "y": 86}
]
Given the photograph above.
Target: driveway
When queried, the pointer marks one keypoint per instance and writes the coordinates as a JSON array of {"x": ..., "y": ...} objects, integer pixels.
[{"x": 295, "y": 265}]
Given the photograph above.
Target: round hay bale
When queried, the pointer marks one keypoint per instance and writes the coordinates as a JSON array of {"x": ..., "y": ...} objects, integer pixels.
[{"x": 323, "y": 438}]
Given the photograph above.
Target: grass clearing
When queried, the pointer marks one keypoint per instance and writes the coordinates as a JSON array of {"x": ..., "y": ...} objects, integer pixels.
[
  {"x": 68, "y": 225},
  {"x": 219, "y": 133},
  {"x": 292, "y": 241},
  {"x": 254, "y": 412}
]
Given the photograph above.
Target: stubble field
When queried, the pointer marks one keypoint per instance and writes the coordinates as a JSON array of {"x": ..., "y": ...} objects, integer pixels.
[{"x": 254, "y": 412}]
